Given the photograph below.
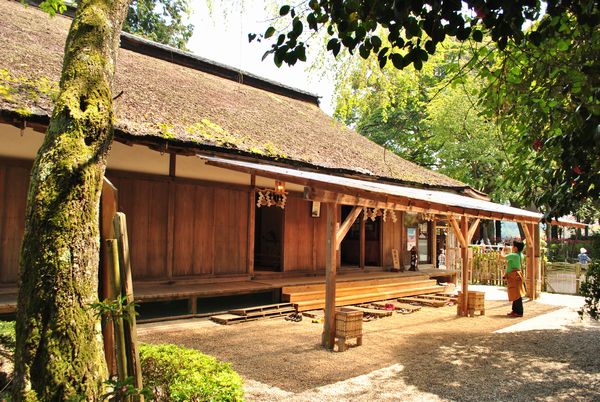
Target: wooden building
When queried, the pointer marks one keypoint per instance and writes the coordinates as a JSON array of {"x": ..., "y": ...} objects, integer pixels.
[{"x": 198, "y": 145}]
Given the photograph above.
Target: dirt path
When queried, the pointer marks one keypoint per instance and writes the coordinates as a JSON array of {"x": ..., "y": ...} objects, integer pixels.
[{"x": 428, "y": 355}]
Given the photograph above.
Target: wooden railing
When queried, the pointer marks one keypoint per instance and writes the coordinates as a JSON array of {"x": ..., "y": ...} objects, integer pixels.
[
  {"x": 562, "y": 277},
  {"x": 487, "y": 267}
]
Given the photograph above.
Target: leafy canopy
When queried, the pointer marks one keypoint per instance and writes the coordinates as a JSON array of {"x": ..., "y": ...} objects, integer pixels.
[
  {"x": 407, "y": 33},
  {"x": 546, "y": 98},
  {"x": 161, "y": 21},
  {"x": 158, "y": 20},
  {"x": 422, "y": 118}
]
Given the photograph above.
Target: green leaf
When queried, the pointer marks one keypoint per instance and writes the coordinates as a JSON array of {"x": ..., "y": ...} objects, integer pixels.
[
  {"x": 397, "y": 60},
  {"x": 269, "y": 32},
  {"x": 297, "y": 27},
  {"x": 376, "y": 42},
  {"x": 284, "y": 10}
]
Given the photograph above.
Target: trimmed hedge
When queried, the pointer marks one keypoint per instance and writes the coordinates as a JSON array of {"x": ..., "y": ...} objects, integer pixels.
[{"x": 179, "y": 374}]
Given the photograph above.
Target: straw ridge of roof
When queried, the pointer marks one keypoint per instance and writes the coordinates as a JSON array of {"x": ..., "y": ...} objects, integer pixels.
[{"x": 172, "y": 102}]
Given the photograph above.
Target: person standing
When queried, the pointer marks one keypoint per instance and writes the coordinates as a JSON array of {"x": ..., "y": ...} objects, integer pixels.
[
  {"x": 583, "y": 257},
  {"x": 514, "y": 278}
]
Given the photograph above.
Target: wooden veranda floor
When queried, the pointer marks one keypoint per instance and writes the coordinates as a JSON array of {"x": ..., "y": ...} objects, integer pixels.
[{"x": 263, "y": 282}]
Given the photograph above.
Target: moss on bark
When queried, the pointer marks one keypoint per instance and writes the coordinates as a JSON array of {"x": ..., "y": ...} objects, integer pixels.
[{"x": 59, "y": 353}]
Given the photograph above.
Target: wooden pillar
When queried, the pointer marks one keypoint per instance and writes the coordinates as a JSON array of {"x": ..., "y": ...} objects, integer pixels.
[
  {"x": 171, "y": 217},
  {"x": 537, "y": 261},
  {"x": 251, "y": 225},
  {"x": 328, "y": 338},
  {"x": 108, "y": 209},
  {"x": 530, "y": 281},
  {"x": 464, "y": 227},
  {"x": 363, "y": 242},
  {"x": 434, "y": 242}
]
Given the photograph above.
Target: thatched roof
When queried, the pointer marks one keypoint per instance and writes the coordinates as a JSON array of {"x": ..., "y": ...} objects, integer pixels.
[{"x": 165, "y": 102}]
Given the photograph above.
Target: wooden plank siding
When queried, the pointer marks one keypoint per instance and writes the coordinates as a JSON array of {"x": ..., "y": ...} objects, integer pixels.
[
  {"x": 230, "y": 231},
  {"x": 210, "y": 227},
  {"x": 14, "y": 180},
  {"x": 393, "y": 237},
  {"x": 145, "y": 202},
  {"x": 193, "y": 237},
  {"x": 298, "y": 235}
]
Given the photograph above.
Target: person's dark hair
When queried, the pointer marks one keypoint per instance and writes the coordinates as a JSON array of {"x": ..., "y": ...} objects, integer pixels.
[{"x": 519, "y": 245}]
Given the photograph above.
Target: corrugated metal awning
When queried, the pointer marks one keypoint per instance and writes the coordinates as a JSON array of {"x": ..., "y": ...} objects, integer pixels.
[{"x": 434, "y": 201}]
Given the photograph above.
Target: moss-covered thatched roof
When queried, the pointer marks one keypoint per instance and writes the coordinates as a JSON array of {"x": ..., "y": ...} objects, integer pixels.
[{"x": 166, "y": 102}]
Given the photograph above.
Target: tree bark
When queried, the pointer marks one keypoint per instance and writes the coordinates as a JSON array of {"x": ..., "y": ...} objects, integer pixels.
[{"x": 59, "y": 346}]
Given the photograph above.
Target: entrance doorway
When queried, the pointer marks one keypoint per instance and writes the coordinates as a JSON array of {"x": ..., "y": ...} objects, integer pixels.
[
  {"x": 268, "y": 239},
  {"x": 350, "y": 247}
]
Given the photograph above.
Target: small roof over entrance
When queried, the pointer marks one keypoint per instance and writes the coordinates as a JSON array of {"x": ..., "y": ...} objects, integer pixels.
[{"x": 351, "y": 191}]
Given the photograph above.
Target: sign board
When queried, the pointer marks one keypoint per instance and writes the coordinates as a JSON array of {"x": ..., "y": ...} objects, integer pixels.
[{"x": 396, "y": 259}]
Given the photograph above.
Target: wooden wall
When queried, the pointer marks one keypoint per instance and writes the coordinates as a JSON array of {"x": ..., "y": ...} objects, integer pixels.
[
  {"x": 304, "y": 236},
  {"x": 14, "y": 180},
  {"x": 393, "y": 238},
  {"x": 209, "y": 229},
  {"x": 209, "y": 225}
]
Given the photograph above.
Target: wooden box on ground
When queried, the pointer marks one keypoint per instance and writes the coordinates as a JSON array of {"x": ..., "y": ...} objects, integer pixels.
[
  {"x": 348, "y": 324},
  {"x": 476, "y": 302}
]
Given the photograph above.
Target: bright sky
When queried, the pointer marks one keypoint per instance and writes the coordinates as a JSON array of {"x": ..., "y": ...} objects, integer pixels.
[{"x": 223, "y": 37}]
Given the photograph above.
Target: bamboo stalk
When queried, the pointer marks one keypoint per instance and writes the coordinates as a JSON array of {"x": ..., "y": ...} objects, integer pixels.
[{"x": 113, "y": 258}]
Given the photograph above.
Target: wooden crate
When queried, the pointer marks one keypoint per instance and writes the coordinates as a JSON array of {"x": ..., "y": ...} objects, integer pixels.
[
  {"x": 476, "y": 302},
  {"x": 348, "y": 324}
]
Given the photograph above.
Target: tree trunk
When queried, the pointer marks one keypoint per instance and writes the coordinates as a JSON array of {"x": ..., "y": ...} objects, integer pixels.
[{"x": 59, "y": 346}]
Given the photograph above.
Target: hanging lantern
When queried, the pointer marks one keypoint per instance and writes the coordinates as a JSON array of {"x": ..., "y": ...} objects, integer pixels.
[{"x": 279, "y": 187}]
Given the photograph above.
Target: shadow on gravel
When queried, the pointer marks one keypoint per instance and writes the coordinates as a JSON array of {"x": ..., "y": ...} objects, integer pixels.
[{"x": 524, "y": 366}]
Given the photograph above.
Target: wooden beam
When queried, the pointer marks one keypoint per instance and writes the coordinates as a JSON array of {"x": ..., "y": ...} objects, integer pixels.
[
  {"x": 457, "y": 231},
  {"x": 464, "y": 223},
  {"x": 108, "y": 208},
  {"x": 171, "y": 216},
  {"x": 328, "y": 337},
  {"x": 134, "y": 367},
  {"x": 530, "y": 260},
  {"x": 434, "y": 242},
  {"x": 251, "y": 226},
  {"x": 346, "y": 225},
  {"x": 537, "y": 268},
  {"x": 472, "y": 230},
  {"x": 527, "y": 234},
  {"x": 362, "y": 246}
]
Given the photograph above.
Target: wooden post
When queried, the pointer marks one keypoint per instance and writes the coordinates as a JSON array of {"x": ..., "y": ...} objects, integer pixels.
[
  {"x": 464, "y": 225},
  {"x": 251, "y": 226},
  {"x": 529, "y": 261},
  {"x": 108, "y": 209},
  {"x": 112, "y": 252},
  {"x": 537, "y": 261},
  {"x": 434, "y": 242},
  {"x": 363, "y": 242},
  {"x": 328, "y": 338},
  {"x": 171, "y": 217},
  {"x": 132, "y": 352}
]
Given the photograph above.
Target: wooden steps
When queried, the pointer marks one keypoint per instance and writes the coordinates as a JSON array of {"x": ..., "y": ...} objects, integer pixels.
[
  {"x": 299, "y": 296},
  {"x": 253, "y": 313},
  {"x": 312, "y": 297}
]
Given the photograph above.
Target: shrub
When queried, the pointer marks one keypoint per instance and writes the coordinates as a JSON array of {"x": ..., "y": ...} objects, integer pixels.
[
  {"x": 590, "y": 289},
  {"x": 7, "y": 350},
  {"x": 180, "y": 374}
]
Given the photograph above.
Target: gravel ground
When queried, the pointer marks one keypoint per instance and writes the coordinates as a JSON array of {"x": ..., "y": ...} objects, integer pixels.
[{"x": 430, "y": 355}]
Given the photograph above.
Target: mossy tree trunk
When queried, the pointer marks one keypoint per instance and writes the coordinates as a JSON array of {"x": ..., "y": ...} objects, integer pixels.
[{"x": 59, "y": 352}]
